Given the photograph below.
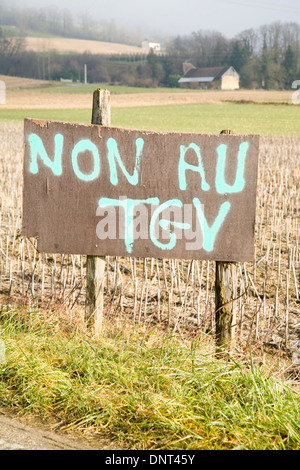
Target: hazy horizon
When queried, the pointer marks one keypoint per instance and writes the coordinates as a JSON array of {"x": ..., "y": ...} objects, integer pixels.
[{"x": 164, "y": 18}]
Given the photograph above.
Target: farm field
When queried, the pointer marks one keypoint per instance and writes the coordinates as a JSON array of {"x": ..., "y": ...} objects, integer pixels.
[
  {"x": 162, "y": 390},
  {"x": 259, "y": 119},
  {"x": 80, "y": 46},
  {"x": 16, "y": 83},
  {"x": 244, "y": 111},
  {"x": 59, "y": 97}
]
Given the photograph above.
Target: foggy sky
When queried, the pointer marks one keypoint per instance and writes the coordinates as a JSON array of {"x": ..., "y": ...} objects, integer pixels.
[{"x": 175, "y": 17}]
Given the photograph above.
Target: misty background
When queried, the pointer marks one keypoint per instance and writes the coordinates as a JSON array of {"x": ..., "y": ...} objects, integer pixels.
[
  {"x": 167, "y": 17},
  {"x": 260, "y": 39}
]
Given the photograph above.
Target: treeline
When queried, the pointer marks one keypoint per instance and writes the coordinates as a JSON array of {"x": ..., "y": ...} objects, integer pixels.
[
  {"x": 61, "y": 22},
  {"x": 267, "y": 57},
  {"x": 133, "y": 70},
  {"x": 272, "y": 64}
]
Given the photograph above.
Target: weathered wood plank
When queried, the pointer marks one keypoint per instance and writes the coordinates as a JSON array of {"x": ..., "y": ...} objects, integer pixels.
[
  {"x": 95, "y": 265},
  {"x": 225, "y": 293},
  {"x": 162, "y": 195}
]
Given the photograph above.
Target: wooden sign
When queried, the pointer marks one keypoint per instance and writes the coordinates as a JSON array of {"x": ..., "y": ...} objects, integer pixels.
[{"x": 108, "y": 191}]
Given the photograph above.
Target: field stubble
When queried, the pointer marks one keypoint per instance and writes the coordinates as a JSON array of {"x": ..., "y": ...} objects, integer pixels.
[
  {"x": 177, "y": 294},
  {"x": 36, "y": 98}
]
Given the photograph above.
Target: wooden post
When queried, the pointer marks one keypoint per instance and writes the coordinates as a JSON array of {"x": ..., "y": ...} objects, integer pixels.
[
  {"x": 95, "y": 265},
  {"x": 225, "y": 293}
]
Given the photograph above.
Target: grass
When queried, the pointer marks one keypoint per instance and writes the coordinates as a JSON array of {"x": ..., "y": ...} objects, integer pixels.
[
  {"x": 68, "y": 115},
  {"x": 212, "y": 118},
  {"x": 146, "y": 389},
  {"x": 259, "y": 119},
  {"x": 81, "y": 89},
  {"x": 114, "y": 89}
]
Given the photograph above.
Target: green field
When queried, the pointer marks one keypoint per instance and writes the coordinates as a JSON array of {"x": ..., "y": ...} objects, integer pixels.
[
  {"x": 262, "y": 119},
  {"x": 114, "y": 89}
]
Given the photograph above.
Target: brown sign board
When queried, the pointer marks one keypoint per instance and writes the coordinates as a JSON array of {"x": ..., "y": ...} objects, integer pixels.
[{"x": 107, "y": 191}]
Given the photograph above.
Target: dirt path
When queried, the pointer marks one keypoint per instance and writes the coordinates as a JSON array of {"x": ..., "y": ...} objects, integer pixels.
[{"x": 19, "y": 434}]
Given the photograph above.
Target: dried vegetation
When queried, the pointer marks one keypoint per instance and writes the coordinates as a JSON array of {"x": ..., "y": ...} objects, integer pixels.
[{"x": 174, "y": 293}]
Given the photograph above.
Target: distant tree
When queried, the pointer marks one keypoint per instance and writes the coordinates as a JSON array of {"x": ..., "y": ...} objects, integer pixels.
[
  {"x": 179, "y": 46},
  {"x": 290, "y": 65},
  {"x": 173, "y": 81},
  {"x": 240, "y": 54},
  {"x": 67, "y": 23},
  {"x": 156, "y": 69},
  {"x": 250, "y": 76},
  {"x": 250, "y": 39},
  {"x": 272, "y": 76},
  {"x": 10, "y": 46}
]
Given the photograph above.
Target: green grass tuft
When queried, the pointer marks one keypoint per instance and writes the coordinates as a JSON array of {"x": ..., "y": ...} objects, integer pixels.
[{"x": 146, "y": 389}]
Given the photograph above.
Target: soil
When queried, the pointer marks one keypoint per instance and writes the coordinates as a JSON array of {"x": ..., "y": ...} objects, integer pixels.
[
  {"x": 36, "y": 99},
  {"x": 31, "y": 433},
  {"x": 13, "y": 83}
]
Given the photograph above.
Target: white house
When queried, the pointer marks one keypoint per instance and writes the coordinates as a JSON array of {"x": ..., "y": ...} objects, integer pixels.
[{"x": 149, "y": 45}]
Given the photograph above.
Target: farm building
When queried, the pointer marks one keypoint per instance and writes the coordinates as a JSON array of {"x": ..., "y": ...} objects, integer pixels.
[
  {"x": 225, "y": 78},
  {"x": 150, "y": 45}
]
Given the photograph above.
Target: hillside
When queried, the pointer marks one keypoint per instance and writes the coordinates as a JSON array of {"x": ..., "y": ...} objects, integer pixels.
[
  {"x": 21, "y": 83},
  {"x": 64, "y": 45}
]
